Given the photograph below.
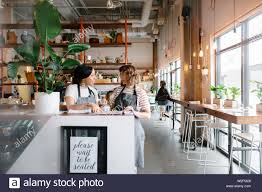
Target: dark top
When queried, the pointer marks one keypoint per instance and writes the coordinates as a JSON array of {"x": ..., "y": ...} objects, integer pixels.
[{"x": 162, "y": 95}]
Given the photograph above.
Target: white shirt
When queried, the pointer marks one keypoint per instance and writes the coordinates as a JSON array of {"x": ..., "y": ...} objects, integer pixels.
[{"x": 72, "y": 91}]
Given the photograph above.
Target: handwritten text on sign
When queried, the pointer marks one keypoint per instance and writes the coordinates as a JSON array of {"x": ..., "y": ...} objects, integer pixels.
[{"x": 83, "y": 154}]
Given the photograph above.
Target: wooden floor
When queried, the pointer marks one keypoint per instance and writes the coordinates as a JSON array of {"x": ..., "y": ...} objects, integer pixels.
[{"x": 163, "y": 152}]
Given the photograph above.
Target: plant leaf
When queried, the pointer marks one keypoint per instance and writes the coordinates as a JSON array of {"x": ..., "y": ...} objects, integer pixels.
[
  {"x": 47, "y": 20},
  {"x": 70, "y": 64},
  {"x": 29, "y": 51},
  {"x": 76, "y": 48},
  {"x": 12, "y": 69},
  {"x": 52, "y": 53}
]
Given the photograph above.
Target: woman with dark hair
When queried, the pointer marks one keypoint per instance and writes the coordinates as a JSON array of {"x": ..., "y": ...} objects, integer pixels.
[
  {"x": 162, "y": 98},
  {"x": 130, "y": 98},
  {"x": 81, "y": 95}
]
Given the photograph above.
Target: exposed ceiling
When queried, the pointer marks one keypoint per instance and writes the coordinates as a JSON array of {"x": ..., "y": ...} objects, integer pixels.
[
  {"x": 141, "y": 13},
  {"x": 89, "y": 10}
]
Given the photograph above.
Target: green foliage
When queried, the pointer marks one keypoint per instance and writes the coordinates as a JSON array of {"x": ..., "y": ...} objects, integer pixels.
[
  {"x": 218, "y": 91},
  {"x": 76, "y": 48},
  {"x": 153, "y": 89},
  {"x": 234, "y": 92},
  {"x": 12, "y": 69},
  {"x": 47, "y": 21},
  {"x": 258, "y": 90},
  {"x": 176, "y": 88},
  {"x": 47, "y": 71}
]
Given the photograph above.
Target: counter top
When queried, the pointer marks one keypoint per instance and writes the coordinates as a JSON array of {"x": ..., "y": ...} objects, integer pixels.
[{"x": 19, "y": 125}]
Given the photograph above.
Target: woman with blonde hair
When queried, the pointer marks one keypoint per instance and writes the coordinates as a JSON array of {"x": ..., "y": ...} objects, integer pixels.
[{"x": 129, "y": 98}]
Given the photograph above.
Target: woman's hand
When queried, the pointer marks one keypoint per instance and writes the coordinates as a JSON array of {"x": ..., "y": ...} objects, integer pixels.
[
  {"x": 129, "y": 109},
  {"x": 95, "y": 108}
]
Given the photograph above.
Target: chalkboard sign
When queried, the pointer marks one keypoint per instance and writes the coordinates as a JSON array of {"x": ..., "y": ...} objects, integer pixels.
[{"x": 83, "y": 154}]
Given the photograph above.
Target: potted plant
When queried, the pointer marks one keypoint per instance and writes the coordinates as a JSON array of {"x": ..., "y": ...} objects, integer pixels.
[
  {"x": 232, "y": 94},
  {"x": 153, "y": 89},
  {"x": 258, "y": 92},
  {"x": 176, "y": 90},
  {"x": 218, "y": 92},
  {"x": 114, "y": 78},
  {"x": 49, "y": 66}
]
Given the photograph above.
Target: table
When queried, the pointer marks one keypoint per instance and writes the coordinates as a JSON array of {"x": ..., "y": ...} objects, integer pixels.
[{"x": 232, "y": 116}]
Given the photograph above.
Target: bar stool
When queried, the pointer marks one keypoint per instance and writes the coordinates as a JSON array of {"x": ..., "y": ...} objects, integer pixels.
[
  {"x": 213, "y": 125},
  {"x": 250, "y": 139},
  {"x": 191, "y": 119}
]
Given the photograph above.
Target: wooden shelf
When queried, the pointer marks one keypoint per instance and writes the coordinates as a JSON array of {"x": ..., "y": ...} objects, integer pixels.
[
  {"x": 10, "y": 45},
  {"x": 107, "y": 83},
  {"x": 106, "y": 64},
  {"x": 11, "y": 84},
  {"x": 68, "y": 25},
  {"x": 63, "y": 45}
]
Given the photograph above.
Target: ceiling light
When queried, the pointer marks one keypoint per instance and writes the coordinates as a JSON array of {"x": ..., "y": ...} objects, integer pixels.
[{"x": 201, "y": 53}]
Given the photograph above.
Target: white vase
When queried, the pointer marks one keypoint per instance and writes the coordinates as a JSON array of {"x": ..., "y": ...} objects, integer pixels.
[
  {"x": 47, "y": 103},
  {"x": 259, "y": 107},
  {"x": 114, "y": 80}
]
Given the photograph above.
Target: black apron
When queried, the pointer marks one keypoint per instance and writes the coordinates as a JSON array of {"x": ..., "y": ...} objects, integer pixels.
[
  {"x": 93, "y": 132},
  {"x": 122, "y": 101}
]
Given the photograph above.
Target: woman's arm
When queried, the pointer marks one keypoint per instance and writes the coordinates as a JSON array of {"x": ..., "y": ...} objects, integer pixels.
[
  {"x": 70, "y": 103},
  {"x": 146, "y": 114},
  {"x": 144, "y": 105}
]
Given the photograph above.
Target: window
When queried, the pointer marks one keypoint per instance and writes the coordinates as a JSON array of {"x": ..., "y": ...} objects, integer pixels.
[{"x": 239, "y": 61}]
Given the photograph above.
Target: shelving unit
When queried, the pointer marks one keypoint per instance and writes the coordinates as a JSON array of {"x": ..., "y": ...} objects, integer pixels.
[
  {"x": 97, "y": 66},
  {"x": 64, "y": 45}
]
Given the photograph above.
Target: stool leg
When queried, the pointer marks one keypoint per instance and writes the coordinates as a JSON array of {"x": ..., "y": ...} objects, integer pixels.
[
  {"x": 208, "y": 138},
  {"x": 202, "y": 141},
  {"x": 260, "y": 152},
  {"x": 238, "y": 156},
  {"x": 184, "y": 137},
  {"x": 231, "y": 153},
  {"x": 250, "y": 159},
  {"x": 189, "y": 135}
]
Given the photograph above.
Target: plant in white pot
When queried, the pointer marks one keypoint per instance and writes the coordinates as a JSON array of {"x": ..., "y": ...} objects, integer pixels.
[
  {"x": 218, "y": 92},
  {"x": 258, "y": 92},
  {"x": 176, "y": 90},
  {"x": 232, "y": 94},
  {"x": 114, "y": 78},
  {"x": 49, "y": 66}
]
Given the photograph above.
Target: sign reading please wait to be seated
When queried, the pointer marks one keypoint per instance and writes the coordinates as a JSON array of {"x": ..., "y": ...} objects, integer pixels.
[{"x": 83, "y": 154}]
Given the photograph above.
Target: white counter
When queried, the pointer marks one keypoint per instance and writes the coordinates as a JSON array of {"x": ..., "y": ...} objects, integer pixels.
[{"x": 43, "y": 154}]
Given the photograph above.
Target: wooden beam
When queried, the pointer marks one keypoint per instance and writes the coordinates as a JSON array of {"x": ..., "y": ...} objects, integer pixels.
[{"x": 68, "y": 25}]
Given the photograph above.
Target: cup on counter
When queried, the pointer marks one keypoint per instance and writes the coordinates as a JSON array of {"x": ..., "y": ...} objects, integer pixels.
[{"x": 106, "y": 108}]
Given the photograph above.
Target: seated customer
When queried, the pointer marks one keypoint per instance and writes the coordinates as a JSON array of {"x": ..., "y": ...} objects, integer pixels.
[{"x": 162, "y": 98}]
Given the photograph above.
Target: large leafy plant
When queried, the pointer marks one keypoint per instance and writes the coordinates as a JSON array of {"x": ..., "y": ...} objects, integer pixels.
[
  {"x": 49, "y": 66},
  {"x": 258, "y": 90},
  {"x": 218, "y": 91}
]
